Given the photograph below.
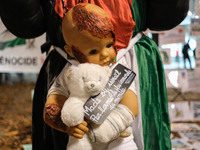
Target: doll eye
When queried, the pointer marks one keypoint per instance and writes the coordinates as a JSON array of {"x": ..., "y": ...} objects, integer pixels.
[
  {"x": 92, "y": 52},
  {"x": 109, "y": 45}
]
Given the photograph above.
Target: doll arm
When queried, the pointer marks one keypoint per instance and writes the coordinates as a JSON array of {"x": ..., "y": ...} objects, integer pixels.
[
  {"x": 130, "y": 100},
  {"x": 118, "y": 120},
  {"x": 52, "y": 112}
]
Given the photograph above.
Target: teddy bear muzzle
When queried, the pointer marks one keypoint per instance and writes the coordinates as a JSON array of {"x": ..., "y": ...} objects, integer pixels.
[{"x": 93, "y": 87}]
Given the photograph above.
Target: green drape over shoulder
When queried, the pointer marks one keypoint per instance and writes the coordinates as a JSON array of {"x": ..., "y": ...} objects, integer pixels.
[
  {"x": 154, "y": 103},
  {"x": 153, "y": 93}
]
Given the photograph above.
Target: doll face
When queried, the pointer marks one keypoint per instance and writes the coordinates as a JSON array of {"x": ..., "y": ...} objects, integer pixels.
[
  {"x": 93, "y": 50},
  {"x": 89, "y": 35}
]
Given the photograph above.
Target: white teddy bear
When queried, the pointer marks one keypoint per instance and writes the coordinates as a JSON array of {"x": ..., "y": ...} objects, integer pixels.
[{"x": 84, "y": 81}]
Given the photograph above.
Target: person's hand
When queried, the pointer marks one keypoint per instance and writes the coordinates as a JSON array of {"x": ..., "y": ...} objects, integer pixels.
[{"x": 79, "y": 130}]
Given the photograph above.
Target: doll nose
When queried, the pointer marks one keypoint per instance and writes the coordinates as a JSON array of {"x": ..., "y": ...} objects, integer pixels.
[{"x": 104, "y": 54}]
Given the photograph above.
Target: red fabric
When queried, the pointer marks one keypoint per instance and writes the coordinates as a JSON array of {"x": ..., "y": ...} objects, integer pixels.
[{"x": 119, "y": 12}]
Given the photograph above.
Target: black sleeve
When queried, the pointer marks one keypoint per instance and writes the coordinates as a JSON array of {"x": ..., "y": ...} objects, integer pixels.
[
  {"x": 43, "y": 136},
  {"x": 23, "y": 18},
  {"x": 166, "y": 14}
]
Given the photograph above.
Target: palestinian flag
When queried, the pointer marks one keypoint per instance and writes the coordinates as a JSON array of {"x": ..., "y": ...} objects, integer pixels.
[{"x": 12, "y": 43}]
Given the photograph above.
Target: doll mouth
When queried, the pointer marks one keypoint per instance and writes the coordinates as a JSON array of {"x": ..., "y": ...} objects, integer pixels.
[{"x": 106, "y": 63}]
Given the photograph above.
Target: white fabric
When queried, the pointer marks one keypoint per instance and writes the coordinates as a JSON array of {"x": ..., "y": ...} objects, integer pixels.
[
  {"x": 60, "y": 86},
  {"x": 123, "y": 144},
  {"x": 131, "y": 60},
  {"x": 119, "y": 144},
  {"x": 118, "y": 120}
]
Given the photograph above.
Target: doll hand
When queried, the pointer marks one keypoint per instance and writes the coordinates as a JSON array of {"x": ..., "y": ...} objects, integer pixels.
[{"x": 79, "y": 130}]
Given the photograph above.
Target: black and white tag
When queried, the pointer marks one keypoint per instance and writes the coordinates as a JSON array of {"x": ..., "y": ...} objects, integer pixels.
[{"x": 98, "y": 108}]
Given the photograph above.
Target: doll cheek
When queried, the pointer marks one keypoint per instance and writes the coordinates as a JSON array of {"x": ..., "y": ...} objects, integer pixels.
[{"x": 79, "y": 55}]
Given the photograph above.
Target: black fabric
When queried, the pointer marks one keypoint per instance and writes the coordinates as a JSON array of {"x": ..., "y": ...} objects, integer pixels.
[
  {"x": 43, "y": 136},
  {"x": 166, "y": 14},
  {"x": 31, "y": 18},
  {"x": 46, "y": 47},
  {"x": 24, "y": 18},
  {"x": 54, "y": 29}
]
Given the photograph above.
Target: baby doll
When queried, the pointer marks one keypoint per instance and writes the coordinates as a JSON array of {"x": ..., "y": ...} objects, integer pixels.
[{"x": 89, "y": 37}]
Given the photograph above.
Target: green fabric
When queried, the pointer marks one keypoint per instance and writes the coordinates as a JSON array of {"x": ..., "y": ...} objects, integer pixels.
[
  {"x": 15, "y": 42},
  {"x": 139, "y": 15},
  {"x": 154, "y": 103},
  {"x": 153, "y": 93}
]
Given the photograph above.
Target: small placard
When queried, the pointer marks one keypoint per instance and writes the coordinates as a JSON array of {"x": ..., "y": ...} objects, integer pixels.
[{"x": 98, "y": 108}]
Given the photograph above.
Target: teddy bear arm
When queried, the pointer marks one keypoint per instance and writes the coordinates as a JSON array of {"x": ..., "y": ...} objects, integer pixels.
[{"x": 72, "y": 112}]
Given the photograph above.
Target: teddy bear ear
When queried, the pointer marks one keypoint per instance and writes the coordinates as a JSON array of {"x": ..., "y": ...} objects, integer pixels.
[
  {"x": 107, "y": 69},
  {"x": 69, "y": 71}
]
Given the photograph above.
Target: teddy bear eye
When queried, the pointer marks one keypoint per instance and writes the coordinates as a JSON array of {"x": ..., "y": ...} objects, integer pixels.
[
  {"x": 100, "y": 79},
  {"x": 83, "y": 79}
]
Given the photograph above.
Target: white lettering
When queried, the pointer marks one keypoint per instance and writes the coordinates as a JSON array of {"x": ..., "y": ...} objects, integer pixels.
[
  {"x": 114, "y": 78},
  {"x": 95, "y": 118},
  {"x": 128, "y": 72},
  {"x": 88, "y": 110}
]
